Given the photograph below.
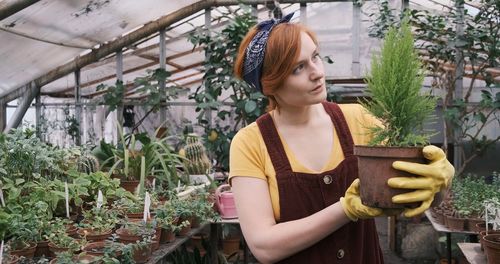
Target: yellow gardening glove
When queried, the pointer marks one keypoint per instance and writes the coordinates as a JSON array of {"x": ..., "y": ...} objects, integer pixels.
[
  {"x": 353, "y": 208},
  {"x": 437, "y": 175}
]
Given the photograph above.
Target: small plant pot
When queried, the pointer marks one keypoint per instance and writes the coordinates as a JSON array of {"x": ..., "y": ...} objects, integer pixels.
[
  {"x": 483, "y": 233},
  {"x": 42, "y": 249},
  {"x": 140, "y": 254},
  {"x": 184, "y": 231},
  {"x": 129, "y": 185},
  {"x": 456, "y": 223},
  {"x": 375, "y": 169},
  {"x": 93, "y": 236},
  {"x": 12, "y": 259},
  {"x": 54, "y": 250},
  {"x": 472, "y": 224},
  {"x": 492, "y": 247},
  {"x": 72, "y": 230},
  {"x": 27, "y": 252},
  {"x": 196, "y": 241},
  {"x": 82, "y": 259},
  {"x": 230, "y": 245},
  {"x": 97, "y": 249},
  {"x": 167, "y": 236}
]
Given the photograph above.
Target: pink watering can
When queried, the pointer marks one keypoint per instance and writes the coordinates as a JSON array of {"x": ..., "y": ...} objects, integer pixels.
[{"x": 225, "y": 202}]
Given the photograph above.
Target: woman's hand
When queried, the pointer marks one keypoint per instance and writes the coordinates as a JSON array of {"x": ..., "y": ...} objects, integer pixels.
[
  {"x": 353, "y": 208},
  {"x": 436, "y": 176}
]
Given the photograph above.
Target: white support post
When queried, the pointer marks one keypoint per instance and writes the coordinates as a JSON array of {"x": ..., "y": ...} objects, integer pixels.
[
  {"x": 356, "y": 24},
  {"x": 78, "y": 108},
  {"x": 303, "y": 13},
  {"x": 119, "y": 77},
  {"x": 163, "y": 56},
  {"x": 459, "y": 72},
  {"x": 208, "y": 26}
]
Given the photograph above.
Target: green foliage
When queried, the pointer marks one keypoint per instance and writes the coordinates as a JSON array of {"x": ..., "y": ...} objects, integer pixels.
[
  {"x": 479, "y": 49},
  {"x": 471, "y": 191},
  {"x": 99, "y": 220},
  {"x": 221, "y": 50},
  {"x": 394, "y": 85}
]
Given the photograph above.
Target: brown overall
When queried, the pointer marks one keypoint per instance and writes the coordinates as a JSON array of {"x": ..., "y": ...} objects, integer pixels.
[{"x": 303, "y": 194}]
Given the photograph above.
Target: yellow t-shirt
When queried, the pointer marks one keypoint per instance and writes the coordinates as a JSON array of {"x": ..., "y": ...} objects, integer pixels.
[{"x": 249, "y": 157}]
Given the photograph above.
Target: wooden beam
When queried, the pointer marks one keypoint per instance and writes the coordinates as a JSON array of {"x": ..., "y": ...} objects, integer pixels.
[
  {"x": 10, "y": 7},
  {"x": 133, "y": 37}
]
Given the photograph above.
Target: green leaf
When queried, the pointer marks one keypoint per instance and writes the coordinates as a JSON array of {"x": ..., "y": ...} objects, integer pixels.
[{"x": 250, "y": 106}]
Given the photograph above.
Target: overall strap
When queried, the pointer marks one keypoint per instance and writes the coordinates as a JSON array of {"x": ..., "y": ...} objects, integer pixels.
[
  {"x": 273, "y": 144},
  {"x": 341, "y": 126}
]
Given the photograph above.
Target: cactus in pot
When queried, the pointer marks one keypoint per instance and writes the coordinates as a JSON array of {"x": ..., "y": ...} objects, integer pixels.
[{"x": 196, "y": 160}]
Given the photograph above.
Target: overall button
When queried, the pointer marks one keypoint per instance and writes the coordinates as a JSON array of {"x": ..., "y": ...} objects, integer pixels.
[
  {"x": 340, "y": 254},
  {"x": 327, "y": 179}
]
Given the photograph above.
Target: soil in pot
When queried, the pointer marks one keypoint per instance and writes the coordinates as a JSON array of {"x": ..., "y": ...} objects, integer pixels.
[
  {"x": 375, "y": 169},
  {"x": 492, "y": 247}
]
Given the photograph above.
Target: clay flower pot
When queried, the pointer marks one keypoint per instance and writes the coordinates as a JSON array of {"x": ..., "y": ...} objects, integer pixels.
[
  {"x": 167, "y": 236},
  {"x": 375, "y": 168},
  {"x": 27, "y": 252},
  {"x": 97, "y": 249},
  {"x": 140, "y": 254},
  {"x": 93, "y": 236},
  {"x": 473, "y": 224},
  {"x": 42, "y": 248},
  {"x": 230, "y": 245},
  {"x": 492, "y": 247}
]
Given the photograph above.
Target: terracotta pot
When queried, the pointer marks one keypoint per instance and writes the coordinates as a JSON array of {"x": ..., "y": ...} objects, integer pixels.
[
  {"x": 483, "y": 233},
  {"x": 138, "y": 215},
  {"x": 140, "y": 254},
  {"x": 472, "y": 224},
  {"x": 92, "y": 236},
  {"x": 167, "y": 236},
  {"x": 438, "y": 216},
  {"x": 492, "y": 248},
  {"x": 230, "y": 245},
  {"x": 81, "y": 259},
  {"x": 156, "y": 238},
  {"x": 375, "y": 168},
  {"x": 482, "y": 226},
  {"x": 97, "y": 249},
  {"x": 72, "y": 230},
  {"x": 196, "y": 241},
  {"x": 27, "y": 252},
  {"x": 455, "y": 223},
  {"x": 129, "y": 185},
  {"x": 55, "y": 249},
  {"x": 12, "y": 259},
  {"x": 42, "y": 248},
  {"x": 184, "y": 231}
]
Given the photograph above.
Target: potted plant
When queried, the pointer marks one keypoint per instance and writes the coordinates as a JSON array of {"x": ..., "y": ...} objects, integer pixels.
[
  {"x": 140, "y": 234},
  {"x": 394, "y": 84},
  {"x": 196, "y": 161},
  {"x": 231, "y": 237},
  {"x": 168, "y": 221},
  {"x": 59, "y": 241},
  {"x": 98, "y": 223}
]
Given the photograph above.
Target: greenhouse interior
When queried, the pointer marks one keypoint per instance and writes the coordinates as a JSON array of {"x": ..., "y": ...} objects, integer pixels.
[{"x": 176, "y": 132}]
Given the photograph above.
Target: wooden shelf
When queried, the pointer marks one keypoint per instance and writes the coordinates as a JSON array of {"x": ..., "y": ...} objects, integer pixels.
[
  {"x": 442, "y": 228},
  {"x": 473, "y": 253},
  {"x": 166, "y": 249}
]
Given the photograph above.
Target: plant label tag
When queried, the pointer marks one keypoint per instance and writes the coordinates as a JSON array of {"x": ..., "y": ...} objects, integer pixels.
[
  {"x": 1, "y": 252},
  {"x": 66, "y": 195},
  {"x": 147, "y": 204},
  {"x": 3, "y": 204},
  {"x": 99, "y": 199}
]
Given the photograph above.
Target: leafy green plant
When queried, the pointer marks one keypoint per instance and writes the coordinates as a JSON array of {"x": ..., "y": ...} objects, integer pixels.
[
  {"x": 248, "y": 104},
  {"x": 100, "y": 220},
  {"x": 394, "y": 85}
]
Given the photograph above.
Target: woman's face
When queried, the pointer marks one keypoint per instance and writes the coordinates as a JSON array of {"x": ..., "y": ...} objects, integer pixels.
[{"x": 306, "y": 84}]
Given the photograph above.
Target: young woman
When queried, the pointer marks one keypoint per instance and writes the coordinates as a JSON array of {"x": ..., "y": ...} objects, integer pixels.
[{"x": 293, "y": 171}]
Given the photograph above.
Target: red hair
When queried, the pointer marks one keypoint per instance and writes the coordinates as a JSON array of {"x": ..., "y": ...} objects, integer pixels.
[{"x": 282, "y": 51}]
